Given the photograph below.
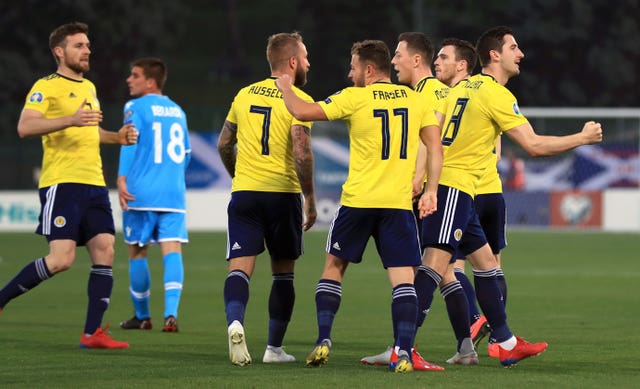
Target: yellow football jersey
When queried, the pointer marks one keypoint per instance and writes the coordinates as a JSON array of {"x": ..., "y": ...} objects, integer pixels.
[
  {"x": 265, "y": 149},
  {"x": 476, "y": 111},
  {"x": 384, "y": 121},
  {"x": 490, "y": 181},
  {"x": 71, "y": 155},
  {"x": 435, "y": 91}
]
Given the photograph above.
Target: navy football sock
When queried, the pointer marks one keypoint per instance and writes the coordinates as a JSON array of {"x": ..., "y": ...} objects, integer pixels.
[
  {"x": 457, "y": 308},
  {"x": 281, "y": 301},
  {"x": 28, "y": 278},
  {"x": 426, "y": 282},
  {"x": 502, "y": 284},
  {"x": 404, "y": 309},
  {"x": 328, "y": 297},
  {"x": 490, "y": 300},
  {"x": 99, "y": 291},
  {"x": 236, "y": 295},
  {"x": 470, "y": 293}
]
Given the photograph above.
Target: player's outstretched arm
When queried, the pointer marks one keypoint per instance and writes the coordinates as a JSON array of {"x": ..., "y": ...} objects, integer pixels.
[{"x": 544, "y": 145}]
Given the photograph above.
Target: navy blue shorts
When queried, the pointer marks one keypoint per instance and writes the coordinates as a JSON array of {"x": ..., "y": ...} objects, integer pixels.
[
  {"x": 74, "y": 211},
  {"x": 492, "y": 213},
  {"x": 259, "y": 218},
  {"x": 394, "y": 231},
  {"x": 454, "y": 227}
]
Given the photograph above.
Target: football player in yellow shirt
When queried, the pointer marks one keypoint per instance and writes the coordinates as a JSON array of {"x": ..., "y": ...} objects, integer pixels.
[
  {"x": 272, "y": 166},
  {"x": 460, "y": 57},
  {"x": 64, "y": 110},
  {"x": 491, "y": 208},
  {"x": 412, "y": 63},
  {"x": 386, "y": 123},
  {"x": 477, "y": 111}
]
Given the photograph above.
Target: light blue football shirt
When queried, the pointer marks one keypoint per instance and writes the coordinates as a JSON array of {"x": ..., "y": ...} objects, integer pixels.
[{"x": 155, "y": 167}]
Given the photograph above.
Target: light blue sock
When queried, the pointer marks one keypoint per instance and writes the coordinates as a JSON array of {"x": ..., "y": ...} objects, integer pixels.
[
  {"x": 140, "y": 282},
  {"x": 173, "y": 279}
]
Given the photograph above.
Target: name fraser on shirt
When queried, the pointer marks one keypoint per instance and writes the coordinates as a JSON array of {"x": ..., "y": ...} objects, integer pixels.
[{"x": 389, "y": 95}]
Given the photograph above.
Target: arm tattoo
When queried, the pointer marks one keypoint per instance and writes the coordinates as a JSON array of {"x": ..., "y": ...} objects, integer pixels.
[
  {"x": 226, "y": 146},
  {"x": 303, "y": 157}
]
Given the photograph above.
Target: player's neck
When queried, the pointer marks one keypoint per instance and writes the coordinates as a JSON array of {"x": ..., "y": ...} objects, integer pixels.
[
  {"x": 419, "y": 75},
  {"x": 376, "y": 77},
  {"x": 67, "y": 72},
  {"x": 278, "y": 73},
  {"x": 500, "y": 76},
  {"x": 458, "y": 78},
  {"x": 154, "y": 91}
]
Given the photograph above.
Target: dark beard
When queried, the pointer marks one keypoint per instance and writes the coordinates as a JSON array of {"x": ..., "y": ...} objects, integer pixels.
[
  {"x": 78, "y": 68},
  {"x": 300, "y": 77}
]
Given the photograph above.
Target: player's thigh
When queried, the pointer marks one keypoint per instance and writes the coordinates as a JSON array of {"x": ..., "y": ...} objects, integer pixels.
[
  {"x": 283, "y": 234},
  {"x": 245, "y": 225},
  {"x": 350, "y": 231},
  {"x": 396, "y": 238},
  {"x": 473, "y": 237},
  {"x": 97, "y": 217},
  {"x": 62, "y": 208},
  {"x": 444, "y": 228},
  {"x": 492, "y": 213}
]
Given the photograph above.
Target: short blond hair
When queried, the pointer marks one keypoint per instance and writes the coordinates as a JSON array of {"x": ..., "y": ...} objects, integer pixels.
[{"x": 281, "y": 47}]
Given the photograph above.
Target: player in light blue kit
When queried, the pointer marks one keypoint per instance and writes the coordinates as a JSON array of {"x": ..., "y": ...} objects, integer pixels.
[{"x": 152, "y": 190}]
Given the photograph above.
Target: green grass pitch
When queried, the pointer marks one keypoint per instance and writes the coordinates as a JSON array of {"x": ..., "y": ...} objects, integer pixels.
[{"x": 578, "y": 291}]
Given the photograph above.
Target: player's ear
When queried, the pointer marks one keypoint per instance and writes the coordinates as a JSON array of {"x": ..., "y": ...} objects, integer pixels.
[
  {"x": 58, "y": 51},
  {"x": 293, "y": 61},
  {"x": 369, "y": 70},
  {"x": 495, "y": 55}
]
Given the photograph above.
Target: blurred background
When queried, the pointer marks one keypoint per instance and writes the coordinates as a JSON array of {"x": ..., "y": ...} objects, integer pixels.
[{"x": 581, "y": 63}]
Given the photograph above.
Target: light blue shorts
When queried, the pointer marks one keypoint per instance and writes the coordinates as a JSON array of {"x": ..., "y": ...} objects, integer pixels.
[{"x": 150, "y": 227}]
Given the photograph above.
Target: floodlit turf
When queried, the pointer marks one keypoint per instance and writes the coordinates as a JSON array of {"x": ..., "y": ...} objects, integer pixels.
[{"x": 577, "y": 291}]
